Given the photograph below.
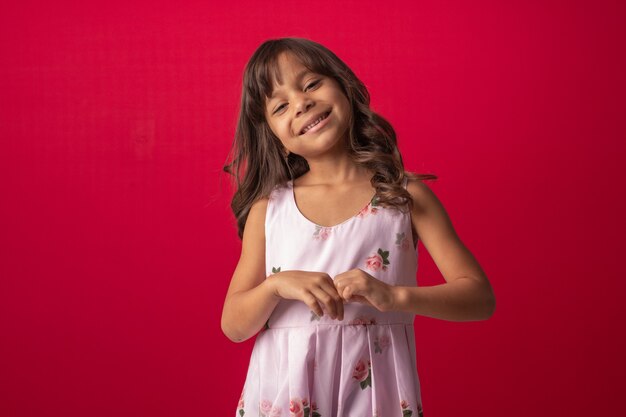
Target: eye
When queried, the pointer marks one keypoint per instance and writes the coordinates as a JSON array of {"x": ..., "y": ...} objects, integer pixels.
[{"x": 313, "y": 84}]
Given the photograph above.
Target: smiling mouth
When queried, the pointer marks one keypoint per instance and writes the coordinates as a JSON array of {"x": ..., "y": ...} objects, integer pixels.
[{"x": 312, "y": 125}]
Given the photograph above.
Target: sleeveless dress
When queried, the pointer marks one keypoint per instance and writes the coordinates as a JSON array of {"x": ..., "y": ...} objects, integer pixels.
[{"x": 308, "y": 366}]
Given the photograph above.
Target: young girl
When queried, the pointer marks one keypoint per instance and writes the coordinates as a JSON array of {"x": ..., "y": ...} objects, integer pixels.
[{"x": 329, "y": 221}]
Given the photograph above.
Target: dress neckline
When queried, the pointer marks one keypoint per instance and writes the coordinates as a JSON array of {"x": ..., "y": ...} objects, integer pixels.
[{"x": 297, "y": 209}]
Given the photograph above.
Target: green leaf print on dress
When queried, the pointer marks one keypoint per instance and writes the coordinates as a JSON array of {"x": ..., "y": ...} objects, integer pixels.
[
  {"x": 401, "y": 241},
  {"x": 371, "y": 208},
  {"x": 314, "y": 316},
  {"x": 381, "y": 342},
  {"x": 241, "y": 405}
]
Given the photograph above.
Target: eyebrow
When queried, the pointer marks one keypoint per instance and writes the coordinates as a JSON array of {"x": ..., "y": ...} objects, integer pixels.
[{"x": 298, "y": 77}]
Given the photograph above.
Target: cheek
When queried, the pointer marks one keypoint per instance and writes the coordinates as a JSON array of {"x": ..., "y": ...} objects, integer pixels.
[
  {"x": 345, "y": 112},
  {"x": 275, "y": 128},
  {"x": 345, "y": 103}
]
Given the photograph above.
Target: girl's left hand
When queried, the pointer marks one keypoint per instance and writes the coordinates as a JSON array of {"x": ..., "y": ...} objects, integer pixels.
[{"x": 357, "y": 285}]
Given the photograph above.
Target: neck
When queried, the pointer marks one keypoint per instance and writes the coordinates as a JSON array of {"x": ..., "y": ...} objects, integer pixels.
[{"x": 334, "y": 170}]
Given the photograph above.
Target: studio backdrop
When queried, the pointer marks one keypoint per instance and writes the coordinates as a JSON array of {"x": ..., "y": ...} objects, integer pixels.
[{"x": 117, "y": 242}]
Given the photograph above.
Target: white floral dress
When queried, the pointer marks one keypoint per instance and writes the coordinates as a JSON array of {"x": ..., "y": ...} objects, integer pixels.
[{"x": 364, "y": 366}]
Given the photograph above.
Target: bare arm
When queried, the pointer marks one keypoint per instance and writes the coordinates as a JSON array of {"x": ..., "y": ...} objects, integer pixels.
[
  {"x": 250, "y": 299},
  {"x": 467, "y": 294},
  {"x": 464, "y": 299}
]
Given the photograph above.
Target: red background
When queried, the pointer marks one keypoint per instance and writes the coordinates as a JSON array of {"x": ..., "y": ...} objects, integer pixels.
[{"x": 117, "y": 240}]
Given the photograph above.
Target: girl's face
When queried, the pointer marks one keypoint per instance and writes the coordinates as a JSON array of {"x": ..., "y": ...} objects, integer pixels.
[{"x": 295, "y": 108}]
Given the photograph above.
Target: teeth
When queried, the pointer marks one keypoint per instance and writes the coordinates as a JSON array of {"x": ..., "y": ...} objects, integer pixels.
[{"x": 322, "y": 117}]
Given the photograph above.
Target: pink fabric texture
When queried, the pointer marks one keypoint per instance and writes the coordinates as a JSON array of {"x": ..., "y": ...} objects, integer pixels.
[{"x": 308, "y": 366}]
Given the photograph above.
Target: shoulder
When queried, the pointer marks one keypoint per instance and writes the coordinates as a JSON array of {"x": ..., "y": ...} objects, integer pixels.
[
  {"x": 257, "y": 211},
  {"x": 423, "y": 197},
  {"x": 259, "y": 206},
  {"x": 428, "y": 215},
  {"x": 260, "y": 203},
  {"x": 254, "y": 229}
]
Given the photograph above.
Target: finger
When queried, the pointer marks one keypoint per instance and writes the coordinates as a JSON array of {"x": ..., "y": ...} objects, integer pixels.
[
  {"x": 311, "y": 301},
  {"x": 358, "y": 294},
  {"x": 341, "y": 285},
  {"x": 340, "y": 309},
  {"x": 339, "y": 303},
  {"x": 337, "y": 299},
  {"x": 351, "y": 290},
  {"x": 348, "y": 292},
  {"x": 327, "y": 300}
]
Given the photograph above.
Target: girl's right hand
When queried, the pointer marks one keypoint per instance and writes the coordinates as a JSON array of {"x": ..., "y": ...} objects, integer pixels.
[{"x": 312, "y": 288}]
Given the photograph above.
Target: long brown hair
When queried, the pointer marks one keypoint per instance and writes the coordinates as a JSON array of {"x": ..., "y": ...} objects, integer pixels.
[{"x": 257, "y": 161}]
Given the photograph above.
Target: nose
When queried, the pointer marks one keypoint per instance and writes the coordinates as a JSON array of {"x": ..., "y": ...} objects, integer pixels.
[{"x": 303, "y": 104}]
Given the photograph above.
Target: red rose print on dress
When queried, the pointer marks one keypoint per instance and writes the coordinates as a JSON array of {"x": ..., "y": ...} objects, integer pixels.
[
  {"x": 314, "y": 408},
  {"x": 362, "y": 373},
  {"x": 402, "y": 241},
  {"x": 296, "y": 408},
  {"x": 406, "y": 411},
  {"x": 374, "y": 262},
  {"x": 321, "y": 233},
  {"x": 369, "y": 209},
  {"x": 265, "y": 407},
  {"x": 381, "y": 342},
  {"x": 364, "y": 211},
  {"x": 378, "y": 260},
  {"x": 362, "y": 321},
  {"x": 300, "y": 408}
]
